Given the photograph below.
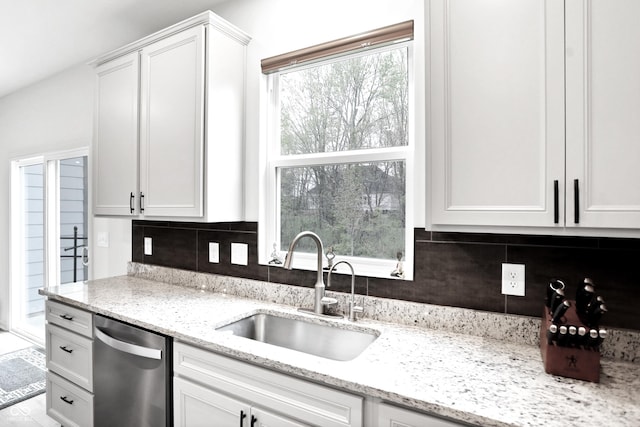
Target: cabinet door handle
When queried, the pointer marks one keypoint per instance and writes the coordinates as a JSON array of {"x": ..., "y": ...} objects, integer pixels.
[
  {"x": 141, "y": 201},
  {"x": 64, "y": 348},
  {"x": 131, "y": 199},
  {"x": 556, "y": 202},
  {"x": 64, "y": 399},
  {"x": 576, "y": 201},
  {"x": 254, "y": 420},
  {"x": 66, "y": 317},
  {"x": 242, "y": 417}
]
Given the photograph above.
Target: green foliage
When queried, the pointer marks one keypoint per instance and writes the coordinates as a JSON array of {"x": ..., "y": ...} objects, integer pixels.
[{"x": 355, "y": 103}]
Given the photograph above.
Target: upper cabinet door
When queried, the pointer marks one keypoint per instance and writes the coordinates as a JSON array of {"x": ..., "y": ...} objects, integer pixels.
[
  {"x": 603, "y": 113},
  {"x": 172, "y": 125},
  {"x": 496, "y": 120},
  {"x": 115, "y": 148}
]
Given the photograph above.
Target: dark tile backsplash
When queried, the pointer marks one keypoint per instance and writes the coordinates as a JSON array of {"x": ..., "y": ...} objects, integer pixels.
[{"x": 455, "y": 269}]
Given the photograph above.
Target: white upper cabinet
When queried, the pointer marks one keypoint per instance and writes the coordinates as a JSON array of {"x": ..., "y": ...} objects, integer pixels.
[
  {"x": 172, "y": 125},
  {"x": 115, "y": 148},
  {"x": 504, "y": 137},
  {"x": 603, "y": 113},
  {"x": 496, "y": 111},
  {"x": 180, "y": 155}
]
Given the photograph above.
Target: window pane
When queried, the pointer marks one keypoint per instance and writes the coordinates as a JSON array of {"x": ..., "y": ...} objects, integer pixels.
[
  {"x": 73, "y": 218},
  {"x": 32, "y": 218},
  {"x": 357, "y": 208},
  {"x": 355, "y": 103}
]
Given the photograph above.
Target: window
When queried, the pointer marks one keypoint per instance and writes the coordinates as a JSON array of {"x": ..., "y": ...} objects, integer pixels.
[{"x": 338, "y": 159}]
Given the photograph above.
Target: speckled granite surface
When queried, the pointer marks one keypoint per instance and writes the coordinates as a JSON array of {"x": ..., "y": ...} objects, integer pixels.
[{"x": 469, "y": 378}]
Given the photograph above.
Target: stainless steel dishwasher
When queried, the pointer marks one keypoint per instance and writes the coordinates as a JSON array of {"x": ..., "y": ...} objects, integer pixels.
[{"x": 131, "y": 376}]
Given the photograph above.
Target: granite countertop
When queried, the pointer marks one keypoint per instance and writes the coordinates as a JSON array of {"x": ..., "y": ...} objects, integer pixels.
[{"x": 477, "y": 380}]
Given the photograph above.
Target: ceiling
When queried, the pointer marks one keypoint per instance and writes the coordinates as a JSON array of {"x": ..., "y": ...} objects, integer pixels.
[{"x": 39, "y": 38}]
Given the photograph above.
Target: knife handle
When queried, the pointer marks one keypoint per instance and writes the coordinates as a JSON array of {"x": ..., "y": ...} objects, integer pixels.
[
  {"x": 553, "y": 285},
  {"x": 560, "y": 311},
  {"x": 556, "y": 300},
  {"x": 552, "y": 333}
]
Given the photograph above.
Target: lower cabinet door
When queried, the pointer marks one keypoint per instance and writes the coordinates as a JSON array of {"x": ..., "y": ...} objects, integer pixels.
[
  {"x": 392, "y": 416},
  {"x": 197, "y": 406},
  {"x": 67, "y": 403}
]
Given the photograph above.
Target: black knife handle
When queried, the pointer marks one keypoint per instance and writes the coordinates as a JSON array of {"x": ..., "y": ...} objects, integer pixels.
[
  {"x": 576, "y": 201},
  {"x": 556, "y": 202}
]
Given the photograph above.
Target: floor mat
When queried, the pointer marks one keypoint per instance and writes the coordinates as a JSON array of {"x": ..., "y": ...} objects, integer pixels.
[{"x": 22, "y": 375}]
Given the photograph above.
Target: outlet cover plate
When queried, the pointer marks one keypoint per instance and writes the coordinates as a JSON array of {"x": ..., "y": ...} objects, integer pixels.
[
  {"x": 513, "y": 279},
  {"x": 239, "y": 253},
  {"x": 214, "y": 252}
]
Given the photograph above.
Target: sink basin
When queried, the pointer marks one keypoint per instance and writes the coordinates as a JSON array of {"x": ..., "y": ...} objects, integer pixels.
[{"x": 297, "y": 334}]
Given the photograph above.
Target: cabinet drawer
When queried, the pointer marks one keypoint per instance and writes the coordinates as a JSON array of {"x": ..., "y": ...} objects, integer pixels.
[
  {"x": 70, "y": 355},
  {"x": 71, "y": 318},
  {"x": 67, "y": 403},
  {"x": 296, "y": 398}
]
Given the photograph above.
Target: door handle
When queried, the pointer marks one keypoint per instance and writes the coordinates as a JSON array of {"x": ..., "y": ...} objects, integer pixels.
[
  {"x": 242, "y": 417},
  {"x": 136, "y": 350},
  {"x": 65, "y": 349},
  {"x": 254, "y": 420},
  {"x": 66, "y": 400},
  {"x": 576, "y": 201},
  {"x": 131, "y": 199},
  {"x": 141, "y": 201},
  {"x": 556, "y": 202}
]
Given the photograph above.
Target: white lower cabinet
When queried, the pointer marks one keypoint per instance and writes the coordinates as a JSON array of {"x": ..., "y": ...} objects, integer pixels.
[
  {"x": 69, "y": 345},
  {"x": 393, "y": 416},
  {"x": 70, "y": 405},
  {"x": 210, "y": 389}
]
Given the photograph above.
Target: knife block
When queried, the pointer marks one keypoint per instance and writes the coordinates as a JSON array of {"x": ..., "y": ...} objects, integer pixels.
[{"x": 571, "y": 362}]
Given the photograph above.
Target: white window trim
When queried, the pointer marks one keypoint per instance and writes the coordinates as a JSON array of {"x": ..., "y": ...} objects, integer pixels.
[{"x": 270, "y": 160}]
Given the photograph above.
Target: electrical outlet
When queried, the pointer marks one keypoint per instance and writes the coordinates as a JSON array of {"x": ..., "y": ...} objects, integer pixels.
[
  {"x": 148, "y": 246},
  {"x": 214, "y": 252},
  {"x": 513, "y": 279}
]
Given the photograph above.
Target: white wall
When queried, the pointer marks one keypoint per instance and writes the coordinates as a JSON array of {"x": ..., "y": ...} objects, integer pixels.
[{"x": 55, "y": 114}]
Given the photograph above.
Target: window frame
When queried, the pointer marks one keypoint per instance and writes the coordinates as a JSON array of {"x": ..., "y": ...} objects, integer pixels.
[{"x": 271, "y": 159}]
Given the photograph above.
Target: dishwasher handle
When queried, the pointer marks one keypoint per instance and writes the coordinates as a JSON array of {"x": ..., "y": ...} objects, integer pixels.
[{"x": 137, "y": 350}]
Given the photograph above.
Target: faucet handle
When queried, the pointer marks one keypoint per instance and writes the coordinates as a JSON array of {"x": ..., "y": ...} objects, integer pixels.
[
  {"x": 353, "y": 309},
  {"x": 328, "y": 301}
]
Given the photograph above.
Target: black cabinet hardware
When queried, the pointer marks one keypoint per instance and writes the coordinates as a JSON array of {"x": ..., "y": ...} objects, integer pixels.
[
  {"x": 242, "y": 417},
  {"x": 131, "y": 198},
  {"x": 254, "y": 420},
  {"x": 64, "y": 399},
  {"x": 576, "y": 202},
  {"x": 141, "y": 201},
  {"x": 64, "y": 348},
  {"x": 66, "y": 317},
  {"x": 556, "y": 202}
]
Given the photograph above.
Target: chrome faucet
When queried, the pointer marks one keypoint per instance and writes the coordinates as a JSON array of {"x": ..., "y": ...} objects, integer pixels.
[
  {"x": 320, "y": 300},
  {"x": 353, "y": 308}
]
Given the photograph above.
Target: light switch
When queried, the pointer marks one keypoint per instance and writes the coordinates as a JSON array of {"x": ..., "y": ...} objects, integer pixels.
[
  {"x": 147, "y": 246},
  {"x": 103, "y": 239},
  {"x": 214, "y": 252},
  {"x": 239, "y": 253}
]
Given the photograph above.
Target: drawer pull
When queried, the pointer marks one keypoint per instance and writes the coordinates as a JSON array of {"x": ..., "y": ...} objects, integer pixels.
[
  {"x": 66, "y": 317},
  {"x": 242, "y": 417},
  {"x": 65, "y": 400},
  {"x": 64, "y": 348},
  {"x": 254, "y": 420}
]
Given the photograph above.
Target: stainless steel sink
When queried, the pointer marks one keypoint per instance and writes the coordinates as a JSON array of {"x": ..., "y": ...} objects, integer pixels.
[{"x": 322, "y": 340}]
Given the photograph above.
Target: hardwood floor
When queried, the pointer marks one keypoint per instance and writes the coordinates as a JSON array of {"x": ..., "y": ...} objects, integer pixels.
[{"x": 31, "y": 412}]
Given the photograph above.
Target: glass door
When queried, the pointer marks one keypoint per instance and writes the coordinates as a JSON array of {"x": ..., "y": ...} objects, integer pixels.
[{"x": 49, "y": 233}]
